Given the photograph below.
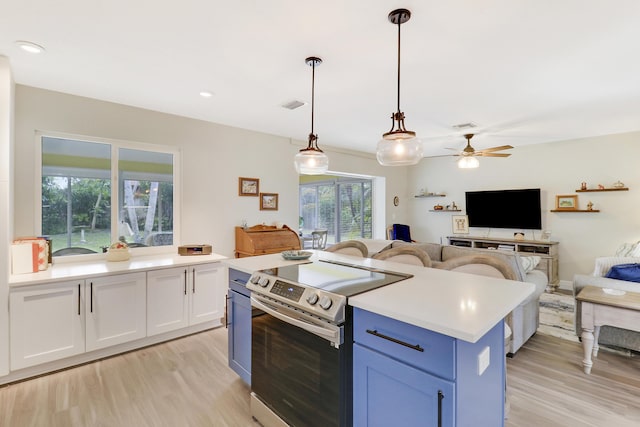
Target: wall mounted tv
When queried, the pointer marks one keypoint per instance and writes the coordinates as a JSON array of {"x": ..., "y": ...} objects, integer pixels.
[{"x": 518, "y": 209}]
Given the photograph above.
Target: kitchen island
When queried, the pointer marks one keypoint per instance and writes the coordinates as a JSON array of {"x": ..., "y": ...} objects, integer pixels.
[{"x": 428, "y": 350}]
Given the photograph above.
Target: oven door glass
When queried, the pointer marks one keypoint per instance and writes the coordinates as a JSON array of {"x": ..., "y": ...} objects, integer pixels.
[{"x": 296, "y": 373}]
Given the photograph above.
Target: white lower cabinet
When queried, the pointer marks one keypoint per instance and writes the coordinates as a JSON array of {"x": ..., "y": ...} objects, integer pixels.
[
  {"x": 115, "y": 310},
  {"x": 47, "y": 323},
  {"x": 208, "y": 290},
  {"x": 183, "y": 296}
]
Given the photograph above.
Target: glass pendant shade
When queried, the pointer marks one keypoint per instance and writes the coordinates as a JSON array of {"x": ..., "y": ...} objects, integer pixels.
[
  {"x": 468, "y": 162},
  {"x": 311, "y": 161},
  {"x": 399, "y": 152}
]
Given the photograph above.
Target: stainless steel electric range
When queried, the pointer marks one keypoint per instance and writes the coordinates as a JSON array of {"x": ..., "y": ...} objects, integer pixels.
[{"x": 302, "y": 338}]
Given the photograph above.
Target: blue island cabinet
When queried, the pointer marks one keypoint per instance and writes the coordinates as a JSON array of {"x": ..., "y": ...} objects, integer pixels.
[
  {"x": 239, "y": 324},
  {"x": 407, "y": 376}
]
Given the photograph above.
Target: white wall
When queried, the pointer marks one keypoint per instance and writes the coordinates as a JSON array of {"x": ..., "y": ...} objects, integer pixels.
[
  {"x": 555, "y": 168},
  {"x": 6, "y": 137},
  {"x": 213, "y": 157}
]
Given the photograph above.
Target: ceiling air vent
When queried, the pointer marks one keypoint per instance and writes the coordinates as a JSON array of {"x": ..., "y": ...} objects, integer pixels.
[
  {"x": 292, "y": 105},
  {"x": 465, "y": 126}
]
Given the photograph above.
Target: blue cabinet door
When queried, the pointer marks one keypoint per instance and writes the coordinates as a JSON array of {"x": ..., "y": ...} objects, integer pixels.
[
  {"x": 239, "y": 320},
  {"x": 239, "y": 324},
  {"x": 387, "y": 392}
]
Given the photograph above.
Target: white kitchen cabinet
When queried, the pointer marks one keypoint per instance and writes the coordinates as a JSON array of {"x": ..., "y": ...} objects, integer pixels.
[
  {"x": 184, "y": 296},
  {"x": 167, "y": 300},
  {"x": 47, "y": 323},
  {"x": 115, "y": 310},
  {"x": 208, "y": 289}
]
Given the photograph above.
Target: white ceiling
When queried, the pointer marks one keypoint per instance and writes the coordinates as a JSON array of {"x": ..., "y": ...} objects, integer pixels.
[{"x": 525, "y": 71}]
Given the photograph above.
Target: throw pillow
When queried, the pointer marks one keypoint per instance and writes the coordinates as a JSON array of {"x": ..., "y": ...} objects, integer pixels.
[
  {"x": 629, "y": 272},
  {"x": 529, "y": 262},
  {"x": 604, "y": 264},
  {"x": 626, "y": 249}
]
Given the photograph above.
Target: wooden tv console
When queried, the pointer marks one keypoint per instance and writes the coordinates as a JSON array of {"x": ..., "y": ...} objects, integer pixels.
[{"x": 546, "y": 250}]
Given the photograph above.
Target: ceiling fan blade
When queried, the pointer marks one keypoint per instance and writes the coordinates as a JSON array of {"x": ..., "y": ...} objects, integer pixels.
[
  {"x": 483, "y": 154},
  {"x": 502, "y": 147}
]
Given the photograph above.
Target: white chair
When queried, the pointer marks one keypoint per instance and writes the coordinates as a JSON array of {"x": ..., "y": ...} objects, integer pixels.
[{"x": 319, "y": 239}]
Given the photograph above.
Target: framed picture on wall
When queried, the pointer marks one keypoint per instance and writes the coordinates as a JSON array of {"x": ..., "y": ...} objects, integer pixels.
[
  {"x": 248, "y": 186},
  {"x": 460, "y": 224},
  {"x": 268, "y": 201},
  {"x": 567, "y": 203}
]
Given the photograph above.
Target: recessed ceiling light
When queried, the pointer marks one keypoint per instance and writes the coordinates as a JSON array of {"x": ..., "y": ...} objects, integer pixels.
[
  {"x": 206, "y": 94},
  {"x": 29, "y": 46}
]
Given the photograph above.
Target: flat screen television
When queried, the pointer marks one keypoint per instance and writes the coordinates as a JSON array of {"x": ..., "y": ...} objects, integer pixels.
[{"x": 517, "y": 209}]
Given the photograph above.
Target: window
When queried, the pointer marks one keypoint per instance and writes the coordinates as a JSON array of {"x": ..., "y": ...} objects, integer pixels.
[
  {"x": 78, "y": 191},
  {"x": 342, "y": 206}
]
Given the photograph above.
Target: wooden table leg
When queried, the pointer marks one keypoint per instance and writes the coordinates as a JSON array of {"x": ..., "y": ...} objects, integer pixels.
[{"x": 587, "y": 345}]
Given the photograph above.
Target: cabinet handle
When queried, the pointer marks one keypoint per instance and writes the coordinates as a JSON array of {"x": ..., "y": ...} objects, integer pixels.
[
  {"x": 185, "y": 281},
  {"x": 78, "y": 299},
  {"x": 226, "y": 311},
  {"x": 91, "y": 297},
  {"x": 440, "y": 397},
  {"x": 395, "y": 340},
  {"x": 193, "y": 281}
]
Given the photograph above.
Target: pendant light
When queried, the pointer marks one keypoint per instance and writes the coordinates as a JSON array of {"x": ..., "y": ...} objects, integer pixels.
[
  {"x": 311, "y": 160},
  {"x": 468, "y": 162},
  {"x": 399, "y": 146}
]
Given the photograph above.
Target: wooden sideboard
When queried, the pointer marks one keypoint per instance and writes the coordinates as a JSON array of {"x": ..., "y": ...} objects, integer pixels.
[
  {"x": 265, "y": 239},
  {"x": 546, "y": 250}
]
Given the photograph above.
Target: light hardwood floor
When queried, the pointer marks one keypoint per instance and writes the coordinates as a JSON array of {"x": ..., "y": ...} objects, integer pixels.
[{"x": 186, "y": 382}]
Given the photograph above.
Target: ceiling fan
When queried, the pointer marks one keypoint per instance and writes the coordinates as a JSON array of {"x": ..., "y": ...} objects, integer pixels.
[{"x": 468, "y": 154}]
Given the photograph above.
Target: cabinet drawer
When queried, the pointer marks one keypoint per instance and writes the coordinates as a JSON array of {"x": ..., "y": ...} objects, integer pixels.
[
  {"x": 429, "y": 351},
  {"x": 238, "y": 280}
]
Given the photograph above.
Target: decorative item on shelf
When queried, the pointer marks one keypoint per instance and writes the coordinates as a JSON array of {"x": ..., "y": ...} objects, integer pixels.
[
  {"x": 618, "y": 184},
  {"x": 312, "y": 160},
  {"x": 118, "y": 251},
  {"x": 546, "y": 235},
  {"x": 590, "y": 206},
  {"x": 583, "y": 186},
  {"x": 438, "y": 207},
  {"x": 460, "y": 224},
  {"x": 399, "y": 146},
  {"x": 518, "y": 236},
  {"x": 567, "y": 202},
  {"x": 454, "y": 207},
  {"x": 600, "y": 187}
]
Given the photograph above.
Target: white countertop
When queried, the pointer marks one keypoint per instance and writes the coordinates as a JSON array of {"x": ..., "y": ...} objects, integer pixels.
[
  {"x": 460, "y": 305},
  {"x": 60, "y": 271}
]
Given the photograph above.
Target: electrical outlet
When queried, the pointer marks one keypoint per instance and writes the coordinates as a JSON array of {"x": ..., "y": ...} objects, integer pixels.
[{"x": 483, "y": 360}]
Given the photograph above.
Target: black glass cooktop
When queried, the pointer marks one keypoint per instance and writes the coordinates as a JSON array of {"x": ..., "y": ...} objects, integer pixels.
[{"x": 336, "y": 277}]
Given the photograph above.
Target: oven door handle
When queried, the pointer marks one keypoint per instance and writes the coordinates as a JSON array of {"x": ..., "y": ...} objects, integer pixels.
[{"x": 332, "y": 335}]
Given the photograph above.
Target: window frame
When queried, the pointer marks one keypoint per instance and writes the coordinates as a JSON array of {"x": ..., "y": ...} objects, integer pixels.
[
  {"x": 336, "y": 183},
  {"x": 115, "y": 145}
]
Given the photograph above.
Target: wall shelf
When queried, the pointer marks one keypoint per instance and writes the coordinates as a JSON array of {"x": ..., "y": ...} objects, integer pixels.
[
  {"x": 593, "y": 190},
  {"x": 575, "y": 210},
  {"x": 445, "y": 210},
  {"x": 424, "y": 196}
]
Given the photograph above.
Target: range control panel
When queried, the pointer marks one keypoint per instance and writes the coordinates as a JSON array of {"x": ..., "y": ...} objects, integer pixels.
[{"x": 325, "y": 305}]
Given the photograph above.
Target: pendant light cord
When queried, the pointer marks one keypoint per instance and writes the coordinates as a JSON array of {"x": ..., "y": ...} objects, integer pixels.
[
  {"x": 313, "y": 85},
  {"x": 399, "y": 65}
]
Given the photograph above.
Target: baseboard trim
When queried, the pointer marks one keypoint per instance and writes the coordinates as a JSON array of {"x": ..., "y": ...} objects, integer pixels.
[{"x": 92, "y": 356}]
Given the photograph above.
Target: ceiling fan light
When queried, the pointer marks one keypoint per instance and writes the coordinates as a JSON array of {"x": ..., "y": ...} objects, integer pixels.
[
  {"x": 399, "y": 152},
  {"x": 311, "y": 161},
  {"x": 468, "y": 162}
]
